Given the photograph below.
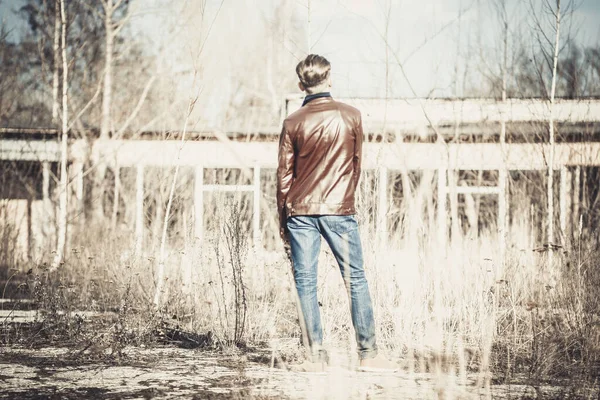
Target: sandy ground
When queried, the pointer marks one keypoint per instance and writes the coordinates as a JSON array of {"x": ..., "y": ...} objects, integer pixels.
[
  {"x": 169, "y": 372},
  {"x": 162, "y": 372}
]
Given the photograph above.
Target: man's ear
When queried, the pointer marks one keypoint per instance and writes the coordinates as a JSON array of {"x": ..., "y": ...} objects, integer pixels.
[
  {"x": 329, "y": 83},
  {"x": 301, "y": 86}
]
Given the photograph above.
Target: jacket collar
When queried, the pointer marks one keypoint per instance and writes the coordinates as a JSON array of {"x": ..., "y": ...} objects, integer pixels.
[{"x": 312, "y": 97}]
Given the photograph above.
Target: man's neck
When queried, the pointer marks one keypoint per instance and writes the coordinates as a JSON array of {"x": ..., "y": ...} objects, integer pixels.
[{"x": 313, "y": 96}]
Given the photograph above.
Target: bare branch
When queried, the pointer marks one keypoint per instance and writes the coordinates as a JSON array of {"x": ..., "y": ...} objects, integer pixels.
[
  {"x": 540, "y": 76},
  {"x": 210, "y": 28},
  {"x": 117, "y": 4},
  {"x": 538, "y": 24},
  {"x": 118, "y": 26},
  {"x": 89, "y": 103},
  {"x": 436, "y": 34},
  {"x": 137, "y": 108},
  {"x": 323, "y": 33},
  {"x": 93, "y": 9}
]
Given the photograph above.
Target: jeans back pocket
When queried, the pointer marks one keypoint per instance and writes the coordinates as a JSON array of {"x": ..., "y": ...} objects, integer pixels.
[{"x": 342, "y": 224}]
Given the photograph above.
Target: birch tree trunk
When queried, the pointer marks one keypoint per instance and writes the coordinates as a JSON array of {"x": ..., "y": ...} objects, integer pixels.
[
  {"x": 503, "y": 200},
  {"x": 62, "y": 216},
  {"x": 107, "y": 89},
  {"x": 105, "y": 122},
  {"x": 455, "y": 230},
  {"x": 551, "y": 131},
  {"x": 56, "y": 62}
]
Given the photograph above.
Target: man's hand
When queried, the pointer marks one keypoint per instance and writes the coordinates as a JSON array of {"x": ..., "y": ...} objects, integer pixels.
[
  {"x": 283, "y": 233},
  {"x": 286, "y": 244}
]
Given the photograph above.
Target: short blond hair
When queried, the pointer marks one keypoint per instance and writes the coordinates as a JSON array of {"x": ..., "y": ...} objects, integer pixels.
[{"x": 313, "y": 71}]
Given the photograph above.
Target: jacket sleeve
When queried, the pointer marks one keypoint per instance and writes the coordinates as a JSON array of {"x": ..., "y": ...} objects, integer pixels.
[
  {"x": 357, "y": 159},
  {"x": 285, "y": 173}
]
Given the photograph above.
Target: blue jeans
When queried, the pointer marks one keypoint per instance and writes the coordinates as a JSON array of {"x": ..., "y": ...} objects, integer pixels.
[{"x": 342, "y": 236}]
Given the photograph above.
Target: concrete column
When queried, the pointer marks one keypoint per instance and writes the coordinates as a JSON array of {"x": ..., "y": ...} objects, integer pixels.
[
  {"x": 46, "y": 190},
  {"x": 452, "y": 178},
  {"x": 576, "y": 196},
  {"x": 29, "y": 228},
  {"x": 382, "y": 208},
  {"x": 78, "y": 176},
  {"x": 199, "y": 204},
  {"x": 78, "y": 170},
  {"x": 502, "y": 214},
  {"x": 139, "y": 211},
  {"x": 256, "y": 207},
  {"x": 441, "y": 212},
  {"x": 47, "y": 222},
  {"x": 564, "y": 200},
  {"x": 116, "y": 195}
]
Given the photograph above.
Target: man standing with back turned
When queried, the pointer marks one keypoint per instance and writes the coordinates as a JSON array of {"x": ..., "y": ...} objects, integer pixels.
[{"x": 320, "y": 154}]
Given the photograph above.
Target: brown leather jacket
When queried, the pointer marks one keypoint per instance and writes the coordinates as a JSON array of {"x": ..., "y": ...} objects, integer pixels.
[{"x": 320, "y": 153}]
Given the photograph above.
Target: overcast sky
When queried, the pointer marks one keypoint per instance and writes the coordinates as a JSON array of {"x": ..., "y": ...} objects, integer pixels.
[
  {"x": 439, "y": 42},
  {"x": 430, "y": 37}
]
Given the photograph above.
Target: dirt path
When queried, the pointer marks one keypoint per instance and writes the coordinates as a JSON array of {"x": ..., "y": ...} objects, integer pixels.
[{"x": 167, "y": 372}]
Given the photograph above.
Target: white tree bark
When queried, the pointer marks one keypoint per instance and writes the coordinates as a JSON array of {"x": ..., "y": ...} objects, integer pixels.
[
  {"x": 105, "y": 121},
  {"x": 62, "y": 215},
  {"x": 105, "y": 124},
  {"x": 503, "y": 200},
  {"x": 56, "y": 62},
  {"x": 551, "y": 131},
  {"x": 112, "y": 29}
]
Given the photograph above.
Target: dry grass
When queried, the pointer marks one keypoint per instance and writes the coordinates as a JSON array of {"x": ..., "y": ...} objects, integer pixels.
[{"x": 451, "y": 311}]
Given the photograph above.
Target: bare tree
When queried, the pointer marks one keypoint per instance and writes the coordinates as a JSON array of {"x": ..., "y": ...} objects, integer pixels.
[
  {"x": 502, "y": 13},
  {"x": 112, "y": 27},
  {"x": 62, "y": 218},
  {"x": 543, "y": 39},
  {"x": 551, "y": 133},
  {"x": 56, "y": 48}
]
